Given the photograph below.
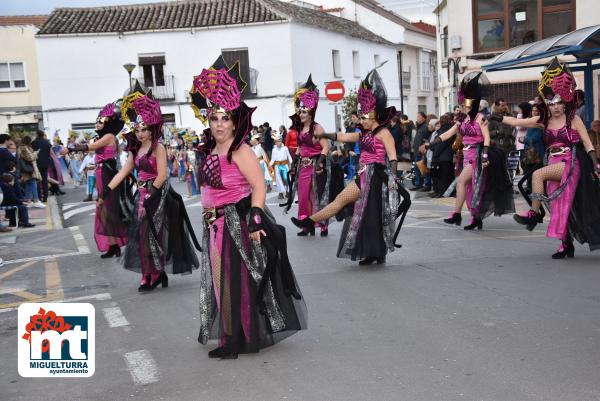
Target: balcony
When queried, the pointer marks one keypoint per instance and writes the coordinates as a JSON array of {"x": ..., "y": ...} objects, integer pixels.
[{"x": 166, "y": 91}]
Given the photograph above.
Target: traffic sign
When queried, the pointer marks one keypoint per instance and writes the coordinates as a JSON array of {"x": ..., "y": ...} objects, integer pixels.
[{"x": 335, "y": 91}]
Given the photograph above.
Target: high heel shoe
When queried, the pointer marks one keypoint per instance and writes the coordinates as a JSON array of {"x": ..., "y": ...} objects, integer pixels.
[
  {"x": 304, "y": 223},
  {"x": 476, "y": 223},
  {"x": 113, "y": 250},
  {"x": 222, "y": 353},
  {"x": 456, "y": 218},
  {"x": 162, "y": 279},
  {"x": 306, "y": 232},
  {"x": 529, "y": 219},
  {"x": 145, "y": 286},
  {"x": 369, "y": 260},
  {"x": 566, "y": 249},
  {"x": 324, "y": 233}
]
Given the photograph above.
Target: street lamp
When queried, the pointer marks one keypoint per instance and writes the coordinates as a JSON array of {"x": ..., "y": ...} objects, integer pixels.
[{"x": 129, "y": 68}]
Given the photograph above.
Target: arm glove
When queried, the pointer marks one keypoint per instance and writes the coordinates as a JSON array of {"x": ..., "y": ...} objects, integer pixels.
[
  {"x": 594, "y": 157},
  {"x": 79, "y": 148},
  {"x": 331, "y": 137},
  {"x": 256, "y": 220}
]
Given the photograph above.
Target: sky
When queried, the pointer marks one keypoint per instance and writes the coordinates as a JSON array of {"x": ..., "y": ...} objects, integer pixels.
[{"x": 413, "y": 10}]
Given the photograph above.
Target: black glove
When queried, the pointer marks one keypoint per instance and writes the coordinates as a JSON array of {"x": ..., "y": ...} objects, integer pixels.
[
  {"x": 394, "y": 167},
  {"x": 78, "y": 148},
  {"x": 436, "y": 141},
  {"x": 331, "y": 137},
  {"x": 321, "y": 162},
  {"x": 107, "y": 190},
  {"x": 594, "y": 157},
  {"x": 256, "y": 219},
  {"x": 484, "y": 154},
  {"x": 153, "y": 190}
]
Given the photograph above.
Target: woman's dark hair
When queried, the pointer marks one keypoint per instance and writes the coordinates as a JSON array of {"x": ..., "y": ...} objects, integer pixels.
[
  {"x": 525, "y": 109},
  {"x": 26, "y": 140},
  {"x": 41, "y": 134},
  {"x": 445, "y": 119}
]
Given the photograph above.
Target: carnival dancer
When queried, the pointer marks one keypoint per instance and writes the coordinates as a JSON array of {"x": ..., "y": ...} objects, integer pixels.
[
  {"x": 160, "y": 230},
  {"x": 483, "y": 182},
  {"x": 191, "y": 163},
  {"x": 369, "y": 233},
  {"x": 249, "y": 298},
  {"x": 110, "y": 231},
  {"x": 571, "y": 187},
  {"x": 263, "y": 160},
  {"x": 312, "y": 173},
  {"x": 281, "y": 160}
]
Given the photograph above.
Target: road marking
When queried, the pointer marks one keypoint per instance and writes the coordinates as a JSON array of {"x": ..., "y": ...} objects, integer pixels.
[
  {"x": 490, "y": 238},
  {"x": 114, "y": 316},
  {"x": 83, "y": 209},
  {"x": 45, "y": 257},
  {"x": 142, "y": 367},
  {"x": 68, "y": 206},
  {"x": 98, "y": 297},
  {"x": 53, "y": 281},
  {"x": 16, "y": 269},
  {"x": 80, "y": 241}
]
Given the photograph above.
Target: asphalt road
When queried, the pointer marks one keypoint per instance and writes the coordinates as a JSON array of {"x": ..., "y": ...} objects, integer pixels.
[{"x": 453, "y": 315}]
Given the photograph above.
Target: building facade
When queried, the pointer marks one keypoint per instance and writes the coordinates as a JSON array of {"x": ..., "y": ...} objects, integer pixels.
[
  {"x": 82, "y": 53},
  {"x": 472, "y": 32},
  {"x": 20, "y": 100}
]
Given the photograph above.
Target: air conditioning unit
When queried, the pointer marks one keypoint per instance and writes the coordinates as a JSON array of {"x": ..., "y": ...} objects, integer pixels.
[{"x": 455, "y": 42}]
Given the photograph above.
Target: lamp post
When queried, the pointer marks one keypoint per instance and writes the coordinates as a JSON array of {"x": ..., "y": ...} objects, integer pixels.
[{"x": 129, "y": 68}]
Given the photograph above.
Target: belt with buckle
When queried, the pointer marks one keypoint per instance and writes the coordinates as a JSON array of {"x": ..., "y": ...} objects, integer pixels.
[
  {"x": 560, "y": 150},
  {"x": 281, "y": 163},
  {"x": 211, "y": 214},
  {"x": 306, "y": 162},
  {"x": 467, "y": 147}
]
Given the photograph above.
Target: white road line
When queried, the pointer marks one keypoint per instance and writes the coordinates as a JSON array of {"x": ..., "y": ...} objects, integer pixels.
[
  {"x": 73, "y": 212},
  {"x": 114, "y": 316},
  {"x": 80, "y": 241},
  {"x": 105, "y": 296},
  {"x": 68, "y": 206},
  {"x": 44, "y": 257},
  {"x": 490, "y": 238},
  {"x": 142, "y": 367}
]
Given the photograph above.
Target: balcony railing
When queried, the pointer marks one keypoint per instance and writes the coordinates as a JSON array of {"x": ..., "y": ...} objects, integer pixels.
[{"x": 162, "y": 92}]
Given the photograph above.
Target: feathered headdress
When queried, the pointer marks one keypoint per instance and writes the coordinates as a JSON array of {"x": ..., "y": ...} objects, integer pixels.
[
  {"x": 219, "y": 89},
  {"x": 372, "y": 98}
]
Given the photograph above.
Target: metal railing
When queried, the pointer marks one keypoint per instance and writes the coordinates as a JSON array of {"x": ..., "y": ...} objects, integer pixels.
[{"x": 166, "y": 91}]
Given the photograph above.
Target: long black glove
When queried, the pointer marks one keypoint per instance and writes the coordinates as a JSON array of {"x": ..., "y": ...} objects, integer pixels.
[
  {"x": 496, "y": 117},
  {"x": 594, "y": 157},
  {"x": 484, "y": 154},
  {"x": 78, "y": 148},
  {"x": 394, "y": 167},
  {"x": 256, "y": 220},
  {"x": 331, "y": 137},
  {"x": 107, "y": 190},
  {"x": 321, "y": 162}
]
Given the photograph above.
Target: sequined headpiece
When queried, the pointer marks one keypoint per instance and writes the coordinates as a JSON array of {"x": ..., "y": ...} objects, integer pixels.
[
  {"x": 473, "y": 87},
  {"x": 110, "y": 116},
  {"x": 139, "y": 108},
  {"x": 372, "y": 99},
  {"x": 307, "y": 97},
  {"x": 557, "y": 84},
  {"x": 219, "y": 89}
]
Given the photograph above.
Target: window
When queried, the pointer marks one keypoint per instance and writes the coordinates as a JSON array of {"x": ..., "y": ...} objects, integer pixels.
[
  {"x": 356, "y": 64},
  {"x": 422, "y": 107},
  {"x": 12, "y": 76},
  {"x": 83, "y": 128},
  {"x": 424, "y": 71},
  {"x": 501, "y": 24},
  {"x": 337, "y": 66},
  {"x": 231, "y": 56},
  {"x": 152, "y": 67},
  {"x": 377, "y": 60},
  {"x": 29, "y": 128}
]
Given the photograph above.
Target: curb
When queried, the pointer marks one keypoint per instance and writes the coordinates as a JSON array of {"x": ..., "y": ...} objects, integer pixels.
[{"x": 53, "y": 214}]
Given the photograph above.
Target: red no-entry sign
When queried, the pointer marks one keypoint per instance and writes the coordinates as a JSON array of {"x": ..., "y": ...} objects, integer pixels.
[{"x": 335, "y": 91}]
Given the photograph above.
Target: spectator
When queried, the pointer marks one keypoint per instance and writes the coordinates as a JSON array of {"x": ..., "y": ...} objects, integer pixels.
[
  {"x": 89, "y": 166},
  {"x": 283, "y": 133},
  {"x": 422, "y": 181},
  {"x": 5, "y": 155},
  {"x": 456, "y": 111},
  {"x": 291, "y": 141},
  {"x": 580, "y": 104},
  {"x": 595, "y": 136},
  {"x": 268, "y": 140},
  {"x": 442, "y": 171},
  {"x": 533, "y": 153},
  {"x": 484, "y": 108},
  {"x": 3, "y": 228},
  {"x": 409, "y": 128},
  {"x": 29, "y": 173},
  {"x": 12, "y": 198},
  {"x": 43, "y": 147},
  {"x": 500, "y": 134},
  {"x": 396, "y": 130}
]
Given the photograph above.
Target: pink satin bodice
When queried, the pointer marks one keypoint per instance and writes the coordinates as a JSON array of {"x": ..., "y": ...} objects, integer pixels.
[
  {"x": 372, "y": 150},
  {"x": 146, "y": 166},
  {"x": 471, "y": 132},
  {"x": 561, "y": 137},
  {"x": 105, "y": 153},
  {"x": 233, "y": 185}
]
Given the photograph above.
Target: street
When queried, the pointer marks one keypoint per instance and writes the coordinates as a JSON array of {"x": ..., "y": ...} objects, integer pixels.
[{"x": 452, "y": 315}]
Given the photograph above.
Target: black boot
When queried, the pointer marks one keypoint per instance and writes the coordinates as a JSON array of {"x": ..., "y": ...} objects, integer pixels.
[
  {"x": 145, "y": 286},
  {"x": 455, "y": 219},
  {"x": 476, "y": 223},
  {"x": 529, "y": 219},
  {"x": 304, "y": 223},
  {"x": 305, "y": 232},
  {"x": 114, "y": 250},
  {"x": 88, "y": 199},
  {"x": 566, "y": 249},
  {"x": 369, "y": 260},
  {"x": 324, "y": 232}
]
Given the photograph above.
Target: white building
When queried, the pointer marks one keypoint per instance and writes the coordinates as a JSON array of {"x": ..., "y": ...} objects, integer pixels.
[
  {"x": 82, "y": 52},
  {"x": 471, "y": 33},
  {"x": 415, "y": 45}
]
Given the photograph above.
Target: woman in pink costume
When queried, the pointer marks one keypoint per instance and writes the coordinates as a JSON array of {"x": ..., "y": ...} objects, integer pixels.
[
  {"x": 110, "y": 231},
  {"x": 374, "y": 193},
  {"x": 312, "y": 183},
  {"x": 483, "y": 182},
  {"x": 160, "y": 230},
  {"x": 571, "y": 190},
  {"x": 249, "y": 298}
]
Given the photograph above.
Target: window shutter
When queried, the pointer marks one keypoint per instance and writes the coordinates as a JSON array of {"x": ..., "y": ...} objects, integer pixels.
[{"x": 231, "y": 56}]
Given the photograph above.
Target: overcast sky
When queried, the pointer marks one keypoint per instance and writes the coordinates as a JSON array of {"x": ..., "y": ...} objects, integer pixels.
[{"x": 413, "y": 10}]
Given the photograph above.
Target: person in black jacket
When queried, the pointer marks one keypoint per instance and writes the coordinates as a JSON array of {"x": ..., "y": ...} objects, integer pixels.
[
  {"x": 43, "y": 146},
  {"x": 442, "y": 171},
  {"x": 12, "y": 198},
  {"x": 5, "y": 155},
  {"x": 397, "y": 134}
]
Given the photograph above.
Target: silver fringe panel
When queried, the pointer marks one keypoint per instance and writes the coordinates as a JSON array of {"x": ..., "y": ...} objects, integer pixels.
[
  {"x": 206, "y": 287},
  {"x": 156, "y": 244}
]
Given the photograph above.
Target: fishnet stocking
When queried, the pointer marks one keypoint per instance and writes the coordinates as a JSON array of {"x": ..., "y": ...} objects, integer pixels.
[
  {"x": 461, "y": 193},
  {"x": 349, "y": 195},
  {"x": 552, "y": 172}
]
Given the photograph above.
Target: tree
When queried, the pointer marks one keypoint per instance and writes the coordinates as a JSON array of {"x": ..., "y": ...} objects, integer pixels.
[{"x": 349, "y": 105}]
